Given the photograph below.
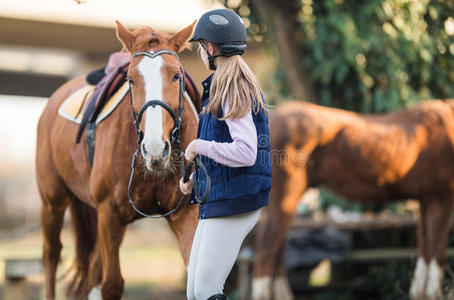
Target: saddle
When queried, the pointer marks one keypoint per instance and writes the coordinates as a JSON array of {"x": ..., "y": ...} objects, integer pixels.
[{"x": 106, "y": 87}]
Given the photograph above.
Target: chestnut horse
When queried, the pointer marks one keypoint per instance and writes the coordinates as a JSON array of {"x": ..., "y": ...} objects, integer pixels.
[
  {"x": 369, "y": 158},
  {"x": 98, "y": 196}
]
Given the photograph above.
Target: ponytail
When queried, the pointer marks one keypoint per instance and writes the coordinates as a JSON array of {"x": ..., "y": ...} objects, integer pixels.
[{"x": 233, "y": 81}]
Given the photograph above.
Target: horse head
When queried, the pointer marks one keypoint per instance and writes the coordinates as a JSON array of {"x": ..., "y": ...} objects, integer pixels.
[{"x": 155, "y": 78}]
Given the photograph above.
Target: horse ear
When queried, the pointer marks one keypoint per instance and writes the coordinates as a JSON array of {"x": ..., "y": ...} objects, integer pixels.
[
  {"x": 179, "y": 39},
  {"x": 125, "y": 36}
]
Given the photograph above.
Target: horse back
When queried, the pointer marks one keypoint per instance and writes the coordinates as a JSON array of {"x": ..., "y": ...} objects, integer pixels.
[
  {"x": 368, "y": 156},
  {"x": 50, "y": 111}
]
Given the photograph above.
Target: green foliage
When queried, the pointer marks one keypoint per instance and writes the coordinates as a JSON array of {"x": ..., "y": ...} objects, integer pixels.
[
  {"x": 371, "y": 56},
  {"x": 378, "y": 55}
]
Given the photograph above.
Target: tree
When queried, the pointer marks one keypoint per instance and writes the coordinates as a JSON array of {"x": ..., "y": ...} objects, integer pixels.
[{"x": 371, "y": 56}]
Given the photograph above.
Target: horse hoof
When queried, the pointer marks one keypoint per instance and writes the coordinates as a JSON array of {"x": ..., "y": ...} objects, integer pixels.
[
  {"x": 95, "y": 293},
  {"x": 419, "y": 280},
  {"x": 434, "y": 278}
]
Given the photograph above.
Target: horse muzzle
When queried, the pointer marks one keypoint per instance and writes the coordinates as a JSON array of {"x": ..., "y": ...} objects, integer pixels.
[{"x": 156, "y": 162}]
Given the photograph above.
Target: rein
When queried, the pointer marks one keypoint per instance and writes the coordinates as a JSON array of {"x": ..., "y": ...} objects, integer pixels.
[{"x": 174, "y": 137}]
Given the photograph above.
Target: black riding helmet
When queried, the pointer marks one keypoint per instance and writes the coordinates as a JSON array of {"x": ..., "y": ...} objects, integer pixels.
[{"x": 224, "y": 28}]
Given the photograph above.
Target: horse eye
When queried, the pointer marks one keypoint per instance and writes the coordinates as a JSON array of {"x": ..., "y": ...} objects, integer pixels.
[{"x": 176, "y": 77}]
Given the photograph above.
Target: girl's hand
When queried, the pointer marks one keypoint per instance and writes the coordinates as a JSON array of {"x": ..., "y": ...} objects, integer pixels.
[
  {"x": 190, "y": 152},
  {"x": 186, "y": 187}
]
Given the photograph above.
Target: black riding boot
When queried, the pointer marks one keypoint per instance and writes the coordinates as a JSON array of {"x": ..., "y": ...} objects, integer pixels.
[{"x": 219, "y": 297}]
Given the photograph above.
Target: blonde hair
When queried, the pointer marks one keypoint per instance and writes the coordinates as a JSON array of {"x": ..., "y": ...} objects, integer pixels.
[{"x": 233, "y": 81}]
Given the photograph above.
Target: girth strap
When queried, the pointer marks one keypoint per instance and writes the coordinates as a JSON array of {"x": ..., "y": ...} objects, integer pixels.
[{"x": 90, "y": 134}]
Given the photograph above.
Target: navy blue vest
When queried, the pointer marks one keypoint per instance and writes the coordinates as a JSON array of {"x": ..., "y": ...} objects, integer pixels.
[{"x": 233, "y": 190}]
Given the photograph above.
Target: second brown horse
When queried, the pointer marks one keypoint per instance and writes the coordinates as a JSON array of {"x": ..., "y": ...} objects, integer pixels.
[{"x": 368, "y": 158}]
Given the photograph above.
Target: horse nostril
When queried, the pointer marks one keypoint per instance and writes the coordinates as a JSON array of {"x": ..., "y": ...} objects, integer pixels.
[
  {"x": 166, "y": 150},
  {"x": 144, "y": 151}
]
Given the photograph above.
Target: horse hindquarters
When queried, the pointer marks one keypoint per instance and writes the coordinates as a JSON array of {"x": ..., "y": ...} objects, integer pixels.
[
  {"x": 55, "y": 197},
  {"x": 54, "y": 200}
]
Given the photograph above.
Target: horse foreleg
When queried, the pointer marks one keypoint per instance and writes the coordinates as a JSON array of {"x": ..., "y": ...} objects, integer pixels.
[
  {"x": 270, "y": 280},
  {"x": 110, "y": 235},
  {"x": 438, "y": 223},
  {"x": 435, "y": 227},
  {"x": 183, "y": 223},
  {"x": 51, "y": 222}
]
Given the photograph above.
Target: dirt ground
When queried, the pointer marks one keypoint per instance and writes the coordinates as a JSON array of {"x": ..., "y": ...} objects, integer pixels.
[{"x": 151, "y": 262}]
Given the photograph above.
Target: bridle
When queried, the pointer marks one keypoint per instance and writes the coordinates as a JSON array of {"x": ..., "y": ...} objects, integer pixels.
[
  {"x": 175, "y": 116},
  {"x": 174, "y": 137}
]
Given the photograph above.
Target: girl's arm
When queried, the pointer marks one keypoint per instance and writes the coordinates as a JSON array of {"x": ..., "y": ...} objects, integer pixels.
[{"x": 239, "y": 153}]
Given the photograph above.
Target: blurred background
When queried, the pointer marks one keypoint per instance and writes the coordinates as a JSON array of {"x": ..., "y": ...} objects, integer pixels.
[{"x": 367, "y": 56}]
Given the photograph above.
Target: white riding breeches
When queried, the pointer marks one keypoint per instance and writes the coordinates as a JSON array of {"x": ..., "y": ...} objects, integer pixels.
[{"x": 217, "y": 242}]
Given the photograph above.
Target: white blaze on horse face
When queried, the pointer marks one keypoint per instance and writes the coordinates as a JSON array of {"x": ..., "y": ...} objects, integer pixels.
[
  {"x": 150, "y": 69},
  {"x": 419, "y": 279}
]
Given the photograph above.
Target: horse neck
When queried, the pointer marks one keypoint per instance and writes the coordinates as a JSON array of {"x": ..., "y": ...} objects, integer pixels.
[
  {"x": 189, "y": 125},
  {"x": 191, "y": 89}
]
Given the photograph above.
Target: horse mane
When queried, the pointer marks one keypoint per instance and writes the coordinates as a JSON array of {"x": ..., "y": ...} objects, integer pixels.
[{"x": 193, "y": 92}]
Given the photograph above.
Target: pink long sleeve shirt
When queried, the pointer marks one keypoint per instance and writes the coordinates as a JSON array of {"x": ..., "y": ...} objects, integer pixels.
[{"x": 241, "y": 152}]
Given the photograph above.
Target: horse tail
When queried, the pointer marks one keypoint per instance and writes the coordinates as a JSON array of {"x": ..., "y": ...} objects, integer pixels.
[{"x": 84, "y": 222}]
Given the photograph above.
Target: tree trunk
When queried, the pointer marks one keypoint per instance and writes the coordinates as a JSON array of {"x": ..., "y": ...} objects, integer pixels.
[{"x": 283, "y": 29}]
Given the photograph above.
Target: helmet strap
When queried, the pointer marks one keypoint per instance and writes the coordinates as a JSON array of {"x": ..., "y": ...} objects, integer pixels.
[{"x": 211, "y": 59}]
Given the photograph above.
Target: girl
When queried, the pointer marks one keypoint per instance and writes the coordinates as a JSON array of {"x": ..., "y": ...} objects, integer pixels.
[{"x": 233, "y": 143}]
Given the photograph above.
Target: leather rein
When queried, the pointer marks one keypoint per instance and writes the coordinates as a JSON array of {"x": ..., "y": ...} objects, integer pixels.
[{"x": 174, "y": 137}]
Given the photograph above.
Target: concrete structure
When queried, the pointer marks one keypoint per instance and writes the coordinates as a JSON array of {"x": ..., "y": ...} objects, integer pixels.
[{"x": 38, "y": 56}]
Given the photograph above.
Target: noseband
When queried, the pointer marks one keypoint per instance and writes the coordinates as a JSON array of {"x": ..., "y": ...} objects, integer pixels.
[{"x": 174, "y": 136}]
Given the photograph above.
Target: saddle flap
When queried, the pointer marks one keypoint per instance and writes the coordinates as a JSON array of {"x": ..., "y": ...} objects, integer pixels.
[
  {"x": 101, "y": 94},
  {"x": 72, "y": 108}
]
